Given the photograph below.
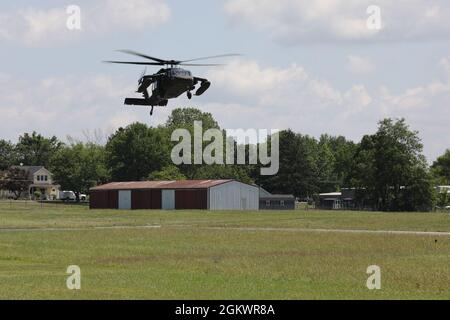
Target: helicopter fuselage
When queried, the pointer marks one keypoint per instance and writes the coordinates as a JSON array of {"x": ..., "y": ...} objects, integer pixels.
[
  {"x": 169, "y": 82},
  {"x": 172, "y": 83}
]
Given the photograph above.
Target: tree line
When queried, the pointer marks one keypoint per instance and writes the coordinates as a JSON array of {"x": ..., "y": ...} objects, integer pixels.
[{"x": 386, "y": 169}]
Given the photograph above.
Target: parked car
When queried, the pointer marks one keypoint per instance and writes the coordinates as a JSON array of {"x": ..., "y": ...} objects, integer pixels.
[
  {"x": 71, "y": 196},
  {"x": 67, "y": 196},
  {"x": 447, "y": 208}
]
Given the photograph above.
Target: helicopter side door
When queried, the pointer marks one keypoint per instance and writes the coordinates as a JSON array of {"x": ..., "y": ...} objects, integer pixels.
[{"x": 156, "y": 88}]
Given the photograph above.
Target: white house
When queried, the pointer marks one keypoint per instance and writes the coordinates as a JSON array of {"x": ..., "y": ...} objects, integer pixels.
[{"x": 41, "y": 180}]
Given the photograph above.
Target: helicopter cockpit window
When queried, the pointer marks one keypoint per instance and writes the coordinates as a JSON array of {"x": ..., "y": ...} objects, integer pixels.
[{"x": 177, "y": 72}]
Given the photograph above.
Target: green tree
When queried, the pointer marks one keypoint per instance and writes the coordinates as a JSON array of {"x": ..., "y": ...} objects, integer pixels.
[
  {"x": 362, "y": 172},
  {"x": 79, "y": 167},
  {"x": 217, "y": 171},
  {"x": 15, "y": 180},
  {"x": 399, "y": 165},
  {"x": 441, "y": 168},
  {"x": 442, "y": 198},
  {"x": 134, "y": 152},
  {"x": 169, "y": 172},
  {"x": 7, "y": 155},
  {"x": 391, "y": 171},
  {"x": 298, "y": 168},
  {"x": 342, "y": 155},
  {"x": 324, "y": 162},
  {"x": 36, "y": 150},
  {"x": 185, "y": 117},
  {"x": 309, "y": 166}
]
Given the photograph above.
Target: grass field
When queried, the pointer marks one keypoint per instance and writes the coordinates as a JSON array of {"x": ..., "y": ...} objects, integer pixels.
[{"x": 221, "y": 255}]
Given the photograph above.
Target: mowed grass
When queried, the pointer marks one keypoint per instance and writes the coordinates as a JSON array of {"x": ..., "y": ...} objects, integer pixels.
[{"x": 219, "y": 255}]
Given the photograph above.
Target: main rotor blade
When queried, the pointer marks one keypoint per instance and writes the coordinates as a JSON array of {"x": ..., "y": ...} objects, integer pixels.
[
  {"x": 138, "y": 63},
  {"x": 213, "y": 57},
  {"x": 143, "y": 55},
  {"x": 201, "y": 64}
]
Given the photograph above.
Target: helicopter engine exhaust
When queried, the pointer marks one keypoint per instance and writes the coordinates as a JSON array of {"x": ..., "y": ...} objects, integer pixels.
[{"x": 205, "y": 85}]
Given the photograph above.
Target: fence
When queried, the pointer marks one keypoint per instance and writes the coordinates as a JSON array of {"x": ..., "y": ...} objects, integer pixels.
[{"x": 30, "y": 204}]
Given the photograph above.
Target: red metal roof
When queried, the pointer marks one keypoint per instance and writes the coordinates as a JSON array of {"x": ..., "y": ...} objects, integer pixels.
[{"x": 179, "y": 184}]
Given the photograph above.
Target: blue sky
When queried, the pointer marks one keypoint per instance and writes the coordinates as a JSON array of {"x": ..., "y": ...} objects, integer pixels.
[{"x": 310, "y": 66}]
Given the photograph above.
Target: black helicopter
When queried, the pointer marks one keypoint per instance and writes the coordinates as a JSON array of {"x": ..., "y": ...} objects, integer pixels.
[{"x": 169, "y": 82}]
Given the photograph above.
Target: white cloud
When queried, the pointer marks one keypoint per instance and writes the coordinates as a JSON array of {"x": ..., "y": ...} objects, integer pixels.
[
  {"x": 299, "y": 21},
  {"x": 38, "y": 27},
  {"x": 358, "y": 98},
  {"x": 360, "y": 65},
  {"x": 243, "y": 94},
  {"x": 251, "y": 96},
  {"x": 272, "y": 85},
  {"x": 69, "y": 105},
  {"x": 444, "y": 63}
]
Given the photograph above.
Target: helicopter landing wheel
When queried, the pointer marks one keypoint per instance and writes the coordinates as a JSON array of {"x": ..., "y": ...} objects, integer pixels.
[{"x": 189, "y": 95}]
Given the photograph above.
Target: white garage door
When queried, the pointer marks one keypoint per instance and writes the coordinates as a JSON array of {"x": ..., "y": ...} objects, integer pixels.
[
  {"x": 125, "y": 199},
  {"x": 168, "y": 200}
]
